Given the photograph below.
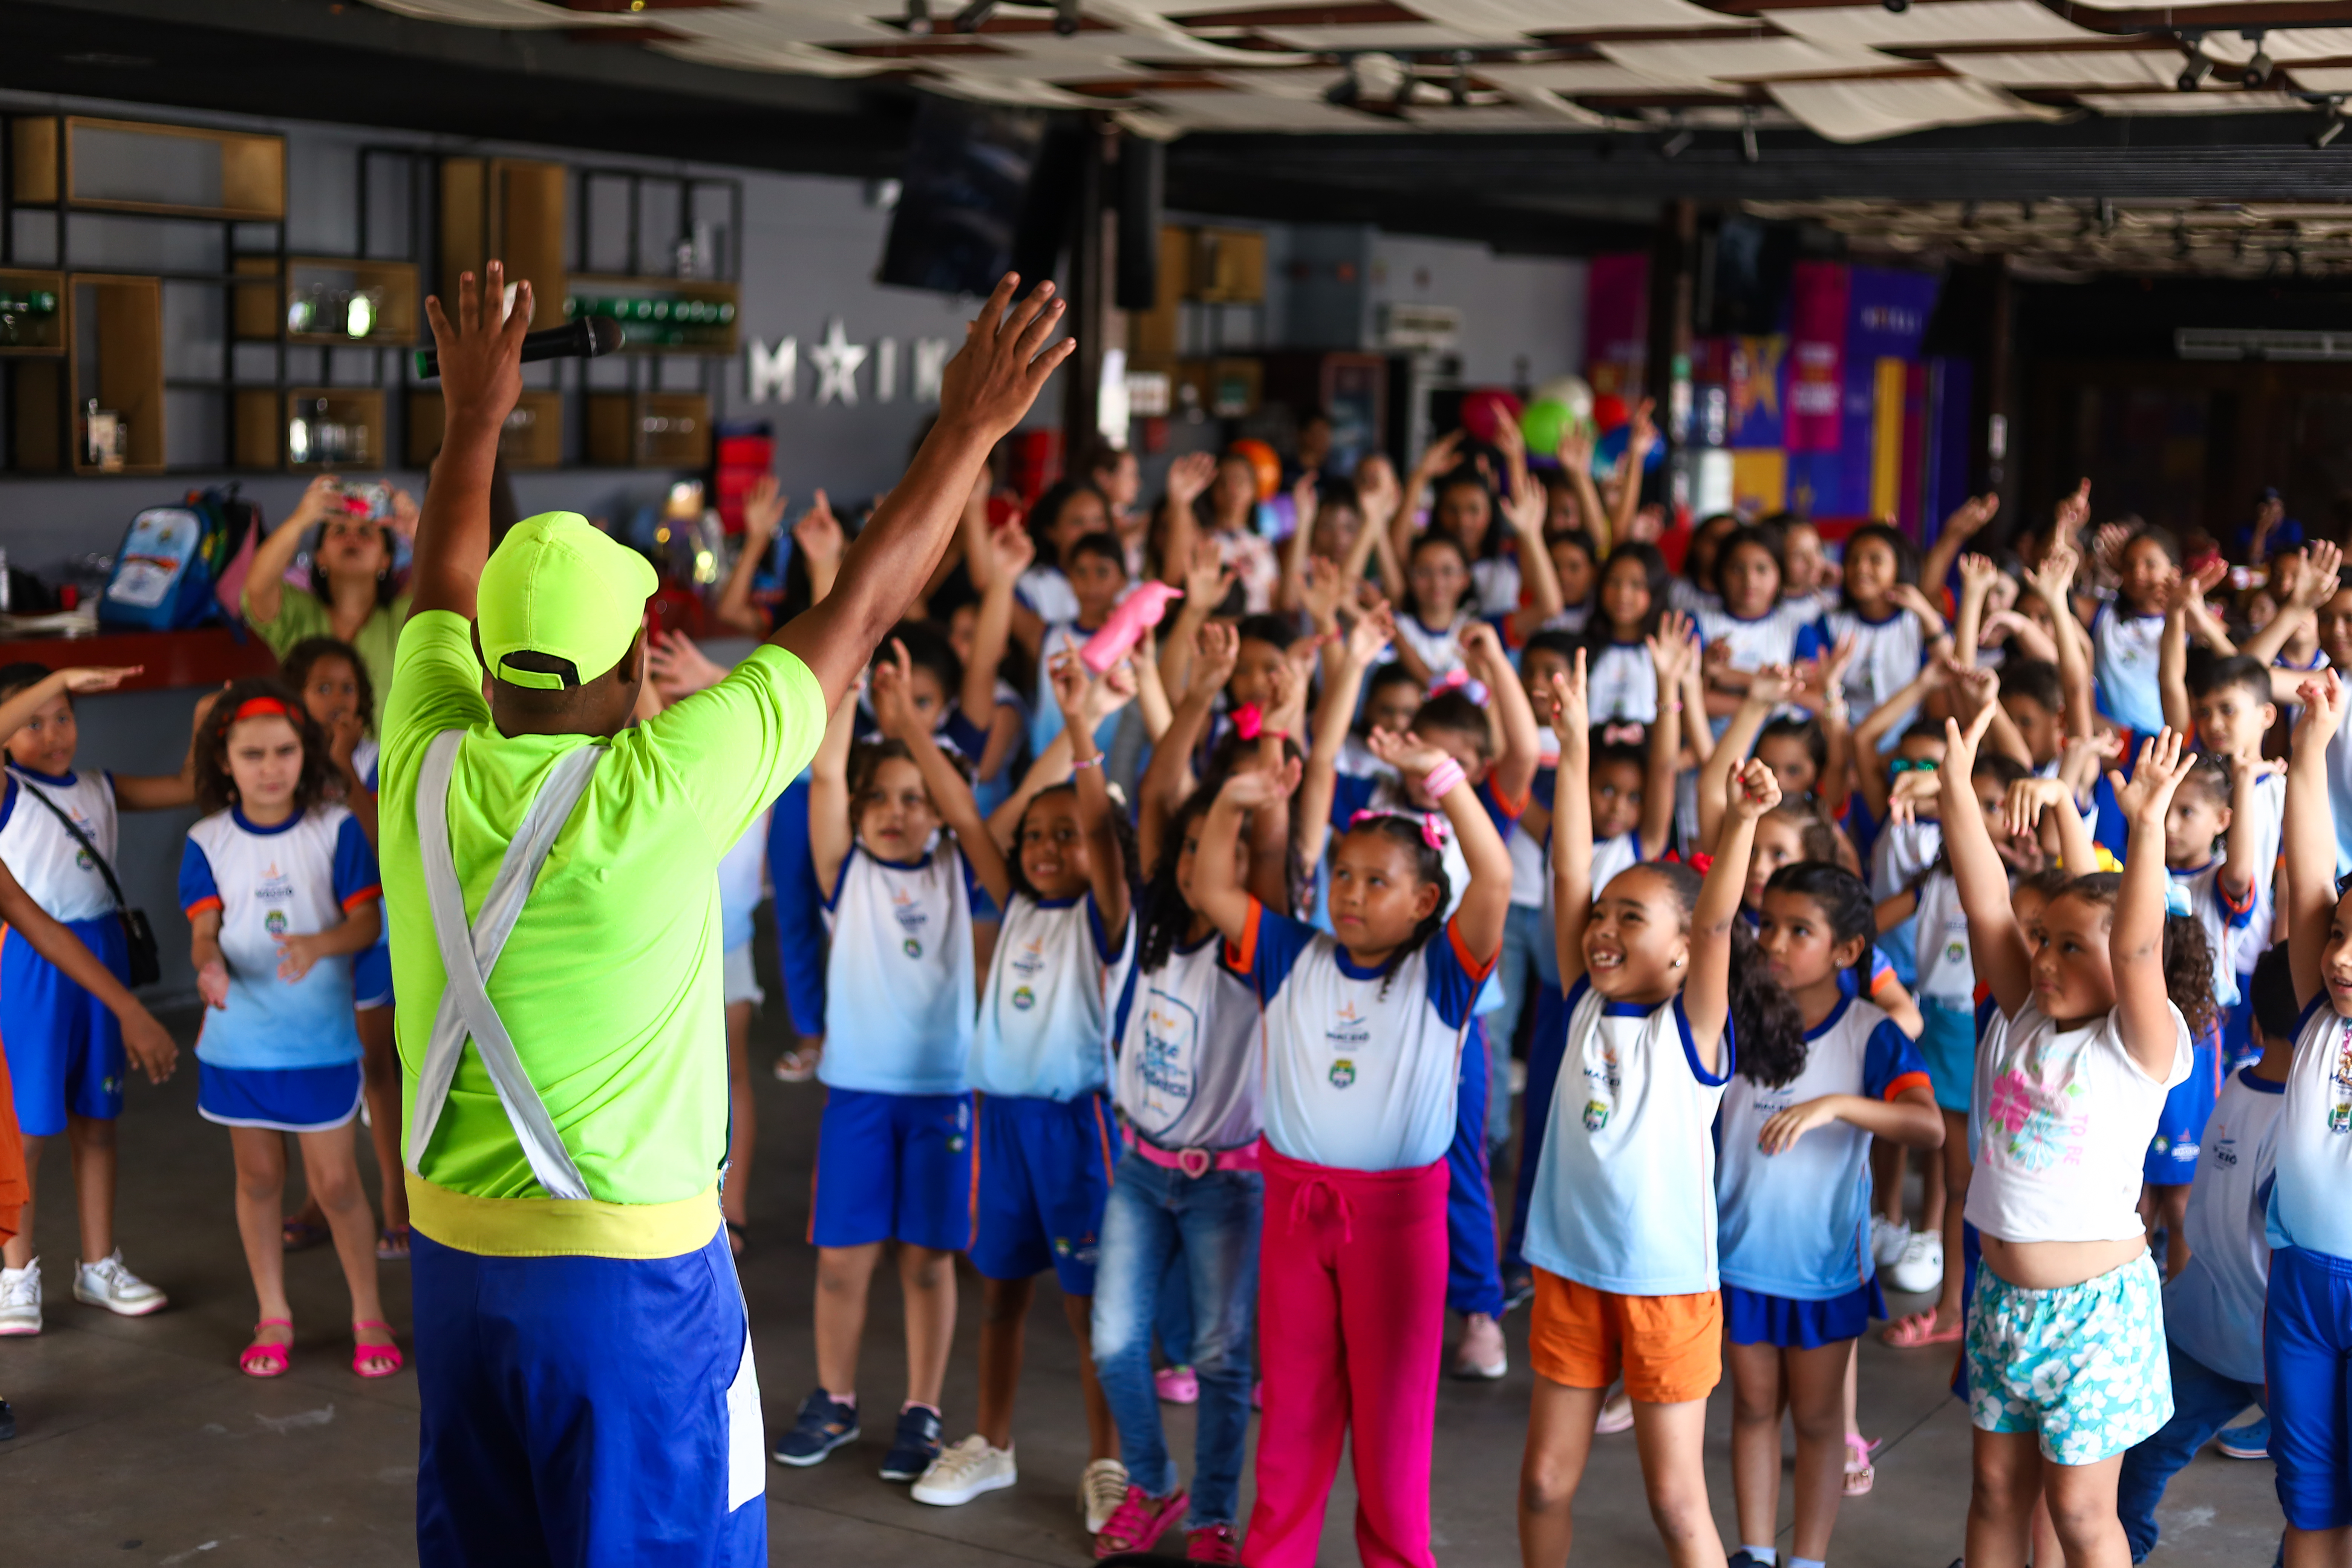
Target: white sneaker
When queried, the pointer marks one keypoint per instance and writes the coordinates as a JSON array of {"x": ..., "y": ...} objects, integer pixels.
[
  {"x": 106, "y": 1283},
  {"x": 1921, "y": 1267},
  {"x": 20, "y": 1299},
  {"x": 963, "y": 1472},
  {"x": 1101, "y": 1489},
  {"x": 1887, "y": 1241}
]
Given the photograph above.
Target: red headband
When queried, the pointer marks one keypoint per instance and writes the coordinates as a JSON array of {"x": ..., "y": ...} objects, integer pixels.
[{"x": 256, "y": 707}]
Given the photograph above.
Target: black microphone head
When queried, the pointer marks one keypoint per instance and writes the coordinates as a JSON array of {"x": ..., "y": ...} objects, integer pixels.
[{"x": 604, "y": 335}]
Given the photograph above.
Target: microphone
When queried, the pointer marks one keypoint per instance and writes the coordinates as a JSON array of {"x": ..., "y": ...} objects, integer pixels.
[{"x": 589, "y": 337}]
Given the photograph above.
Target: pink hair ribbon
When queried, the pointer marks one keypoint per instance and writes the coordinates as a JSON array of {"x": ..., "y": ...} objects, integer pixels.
[
  {"x": 1432, "y": 827},
  {"x": 1248, "y": 721},
  {"x": 1460, "y": 680},
  {"x": 1622, "y": 735}
]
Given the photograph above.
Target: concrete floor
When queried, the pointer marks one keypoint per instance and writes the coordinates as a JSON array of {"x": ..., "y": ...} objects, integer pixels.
[{"x": 139, "y": 1442}]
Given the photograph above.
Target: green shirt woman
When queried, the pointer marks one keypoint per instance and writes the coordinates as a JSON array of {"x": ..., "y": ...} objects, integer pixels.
[{"x": 352, "y": 594}]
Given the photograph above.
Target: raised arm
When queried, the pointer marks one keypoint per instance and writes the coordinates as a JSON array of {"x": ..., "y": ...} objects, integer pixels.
[
  {"x": 1478, "y": 916},
  {"x": 1206, "y": 580},
  {"x": 2003, "y": 960},
  {"x": 1673, "y": 648},
  {"x": 1105, "y": 869},
  {"x": 1378, "y": 496},
  {"x": 832, "y": 815},
  {"x": 763, "y": 512},
  {"x": 1217, "y": 892},
  {"x": 1571, "y": 819},
  {"x": 2136, "y": 937},
  {"x": 1008, "y": 553},
  {"x": 1311, "y": 811},
  {"x": 2032, "y": 803},
  {"x": 2172, "y": 657},
  {"x": 894, "y": 711},
  {"x": 1978, "y": 575},
  {"x": 2055, "y": 581},
  {"x": 481, "y": 377},
  {"x": 1869, "y": 766},
  {"x": 1291, "y": 592},
  {"x": 2309, "y": 839},
  {"x": 2315, "y": 587},
  {"x": 1964, "y": 523},
  {"x": 2239, "y": 867},
  {"x": 17, "y": 710},
  {"x": 1522, "y": 742},
  {"x": 1706, "y": 993},
  {"x": 1168, "y": 778},
  {"x": 1767, "y": 690},
  {"x": 1638, "y": 442},
  {"x": 1188, "y": 477},
  {"x": 265, "y": 578},
  {"x": 1526, "y": 507}
]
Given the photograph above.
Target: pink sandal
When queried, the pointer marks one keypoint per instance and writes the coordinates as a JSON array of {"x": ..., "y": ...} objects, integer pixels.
[
  {"x": 364, "y": 1354},
  {"x": 1859, "y": 1475},
  {"x": 266, "y": 1360}
]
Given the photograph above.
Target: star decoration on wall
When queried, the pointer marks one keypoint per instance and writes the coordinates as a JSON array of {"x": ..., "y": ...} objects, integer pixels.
[{"x": 837, "y": 361}]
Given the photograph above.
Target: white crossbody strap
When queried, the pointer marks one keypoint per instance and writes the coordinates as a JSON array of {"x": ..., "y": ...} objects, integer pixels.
[{"x": 468, "y": 954}]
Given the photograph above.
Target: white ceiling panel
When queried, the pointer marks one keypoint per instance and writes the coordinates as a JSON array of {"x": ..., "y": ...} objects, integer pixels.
[{"x": 1867, "y": 110}]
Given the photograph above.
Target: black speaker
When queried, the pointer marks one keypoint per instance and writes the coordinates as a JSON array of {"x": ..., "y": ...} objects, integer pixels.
[
  {"x": 1050, "y": 212},
  {"x": 1142, "y": 187}
]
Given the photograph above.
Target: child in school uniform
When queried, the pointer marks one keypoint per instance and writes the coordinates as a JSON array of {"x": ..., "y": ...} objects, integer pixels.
[
  {"x": 896, "y": 840},
  {"x": 66, "y": 1053},
  {"x": 281, "y": 891},
  {"x": 1038, "y": 1060},
  {"x": 1363, "y": 1037},
  {"x": 1894, "y": 630}
]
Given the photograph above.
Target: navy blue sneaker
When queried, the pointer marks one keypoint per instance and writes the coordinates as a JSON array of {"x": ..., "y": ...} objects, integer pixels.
[
  {"x": 915, "y": 1444},
  {"x": 824, "y": 1425}
]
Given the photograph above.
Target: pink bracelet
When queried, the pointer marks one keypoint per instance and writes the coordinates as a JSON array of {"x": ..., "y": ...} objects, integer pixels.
[
  {"x": 1443, "y": 778},
  {"x": 1094, "y": 762}
]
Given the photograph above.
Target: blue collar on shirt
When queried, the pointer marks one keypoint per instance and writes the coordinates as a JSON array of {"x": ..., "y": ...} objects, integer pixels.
[
  {"x": 1887, "y": 619},
  {"x": 1414, "y": 616},
  {"x": 1069, "y": 902},
  {"x": 2193, "y": 870},
  {"x": 1354, "y": 971},
  {"x": 237, "y": 813},
  {"x": 917, "y": 864},
  {"x": 1826, "y": 1024},
  {"x": 1750, "y": 620},
  {"x": 55, "y": 781},
  {"x": 2259, "y": 1085}
]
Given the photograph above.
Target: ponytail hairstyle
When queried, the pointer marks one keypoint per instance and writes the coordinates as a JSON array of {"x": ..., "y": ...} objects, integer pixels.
[
  {"x": 1428, "y": 864},
  {"x": 1846, "y": 903},
  {"x": 215, "y": 789},
  {"x": 1163, "y": 916},
  {"x": 2188, "y": 956},
  {"x": 1765, "y": 1024}
]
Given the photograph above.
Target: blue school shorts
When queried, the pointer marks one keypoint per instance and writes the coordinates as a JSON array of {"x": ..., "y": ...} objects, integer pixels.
[
  {"x": 595, "y": 1412},
  {"x": 284, "y": 1100},
  {"x": 892, "y": 1167},
  {"x": 1044, "y": 1178},
  {"x": 2307, "y": 1363},
  {"x": 1754, "y": 1318},
  {"x": 1948, "y": 1042},
  {"x": 372, "y": 978},
  {"x": 2180, "y": 1129},
  {"x": 65, "y": 1049}
]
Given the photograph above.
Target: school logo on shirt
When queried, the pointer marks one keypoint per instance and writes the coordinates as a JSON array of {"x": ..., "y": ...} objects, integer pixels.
[
  {"x": 1596, "y": 1115},
  {"x": 1343, "y": 1073},
  {"x": 1348, "y": 1031},
  {"x": 911, "y": 918},
  {"x": 913, "y": 949},
  {"x": 1023, "y": 998},
  {"x": 274, "y": 923},
  {"x": 2225, "y": 1153}
]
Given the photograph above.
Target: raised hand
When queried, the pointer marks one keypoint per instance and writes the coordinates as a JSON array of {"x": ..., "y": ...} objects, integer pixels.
[
  {"x": 1961, "y": 745},
  {"x": 1106, "y": 697},
  {"x": 98, "y": 678},
  {"x": 891, "y": 692},
  {"x": 1968, "y": 517},
  {"x": 2164, "y": 760},
  {"x": 1527, "y": 506},
  {"x": 2027, "y": 799},
  {"x": 678, "y": 668},
  {"x": 2108, "y": 549},
  {"x": 1324, "y": 589},
  {"x": 818, "y": 534},
  {"x": 1572, "y": 701},
  {"x": 1672, "y": 647},
  {"x": 1189, "y": 477},
  {"x": 1012, "y": 551},
  {"x": 763, "y": 512},
  {"x": 1214, "y": 652},
  {"x": 2055, "y": 578},
  {"x": 1067, "y": 672},
  {"x": 1207, "y": 578},
  {"x": 2073, "y": 511},
  {"x": 1371, "y": 635},
  {"x": 481, "y": 352},
  {"x": 1378, "y": 493},
  {"x": 2323, "y": 710},
  {"x": 1253, "y": 787},
  {"x": 1305, "y": 499},
  {"x": 1004, "y": 361},
  {"x": 1408, "y": 754},
  {"x": 1482, "y": 651},
  {"x": 1752, "y": 791},
  {"x": 1772, "y": 685},
  {"x": 1911, "y": 792},
  {"x": 1640, "y": 437},
  {"x": 1575, "y": 451},
  {"x": 2322, "y": 576},
  {"x": 1978, "y": 573}
]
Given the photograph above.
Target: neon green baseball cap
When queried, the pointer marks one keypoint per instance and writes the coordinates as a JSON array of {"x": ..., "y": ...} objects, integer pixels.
[{"x": 557, "y": 585}]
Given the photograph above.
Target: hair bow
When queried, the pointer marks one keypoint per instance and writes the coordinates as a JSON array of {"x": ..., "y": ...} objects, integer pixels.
[
  {"x": 1699, "y": 860},
  {"x": 1248, "y": 721},
  {"x": 2176, "y": 899},
  {"x": 1432, "y": 827},
  {"x": 1622, "y": 734},
  {"x": 1460, "y": 680}
]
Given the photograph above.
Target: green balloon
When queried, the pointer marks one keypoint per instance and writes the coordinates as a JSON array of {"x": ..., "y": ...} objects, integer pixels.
[{"x": 1546, "y": 421}]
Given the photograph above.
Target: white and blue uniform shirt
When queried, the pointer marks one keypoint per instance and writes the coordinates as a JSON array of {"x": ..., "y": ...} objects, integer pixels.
[
  {"x": 2213, "y": 1307},
  {"x": 1438, "y": 649},
  {"x": 2124, "y": 649},
  {"x": 1045, "y": 1026},
  {"x": 1045, "y": 712},
  {"x": 2314, "y": 1138},
  {"x": 1352, "y": 795},
  {"x": 1888, "y": 655},
  {"x": 1939, "y": 931},
  {"x": 1900, "y": 852},
  {"x": 2253, "y": 938},
  {"x": 1189, "y": 1073},
  {"x": 741, "y": 872},
  {"x": 1785, "y": 634},
  {"x": 1047, "y": 594},
  {"x": 1621, "y": 685},
  {"x": 2224, "y": 927},
  {"x": 1495, "y": 585},
  {"x": 56, "y": 872},
  {"x": 899, "y": 979},
  {"x": 1361, "y": 1064},
  {"x": 304, "y": 876},
  {"x": 1625, "y": 1190},
  {"x": 1797, "y": 1224}
]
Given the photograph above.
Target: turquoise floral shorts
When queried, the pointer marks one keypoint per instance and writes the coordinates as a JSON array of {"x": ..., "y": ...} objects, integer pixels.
[{"x": 2085, "y": 1366}]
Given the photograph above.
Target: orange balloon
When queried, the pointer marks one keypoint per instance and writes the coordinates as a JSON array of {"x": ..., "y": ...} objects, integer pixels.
[{"x": 1262, "y": 460}]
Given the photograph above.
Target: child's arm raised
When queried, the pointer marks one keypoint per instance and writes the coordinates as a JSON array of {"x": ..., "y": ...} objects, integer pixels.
[
  {"x": 1207, "y": 580},
  {"x": 1978, "y": 575},
  {"x": 2054, "y": 582},
  {"x": 18, "y": 710},
  {"x": 2030, "y": 801},
  {"x": 1522, "y": 748},
  {"x": 1526, "y": 507},
  {"x": 1008, "y": 553},
  {"x": 1217, "y": 892},
  {"x": 1769, "y": 688},
  {"x": 2136, "y": 937},
  {"x": 1571, "y": 818},
  {"x": 1673, "y": 648},
  {"x": 1105, "y": 871},
  {"x": 1168, "y": 778},
  {"x": 2239, "y": 867},
  {"x": 1995, "y": 942},
  {"x": 1707, "y": 993},
  {"x": 763, "y": 511},
  {"x": 2317, "y": 586},
  {"x": 149, "y": 1044},
  {"x": 1964, "y": 524},
  {"x": 894, "y": 711},
  {"x": 1870, "y": 773},
  {"x": 2309, "y": 839},
  {"x": 832, "y": 815},
  {"x": 1311, "y": 811},
  {"x": 1478, "y": 918}
]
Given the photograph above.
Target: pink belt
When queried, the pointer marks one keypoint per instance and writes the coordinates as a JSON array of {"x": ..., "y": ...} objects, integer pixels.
[{"x": 1195, "y": 1163}]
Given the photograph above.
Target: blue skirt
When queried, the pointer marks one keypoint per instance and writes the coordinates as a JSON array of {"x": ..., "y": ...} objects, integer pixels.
[
  {"x": 372, "y": 978},
  {"x": 287, "y": 1099},
  {"x": 1753, "y": 1318}
]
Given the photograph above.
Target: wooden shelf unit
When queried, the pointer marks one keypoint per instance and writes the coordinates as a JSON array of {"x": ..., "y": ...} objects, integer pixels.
[
  {"x": 126, "y": 315},
  {"x": 264, "y": 416},
  {"x": 261, "y": 309},
  {"x": 512, "y": 210},
  {"x": 711, "y": 338},
  {"x": 650, "y": 429},
  {"x": 243, "y": 171},
  {"x": 36, "y": 334},
  {"x": 533, "y": 437}
]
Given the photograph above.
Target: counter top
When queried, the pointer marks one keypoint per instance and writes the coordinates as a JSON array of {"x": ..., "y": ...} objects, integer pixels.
[{"x": 204, "y": 656}]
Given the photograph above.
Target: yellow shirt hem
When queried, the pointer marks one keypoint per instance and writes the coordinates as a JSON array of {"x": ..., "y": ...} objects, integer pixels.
[{"x": 562, "y": 1227}]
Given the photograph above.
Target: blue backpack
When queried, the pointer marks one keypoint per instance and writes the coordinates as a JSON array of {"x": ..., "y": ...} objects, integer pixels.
[{"x": 170, "y": 556}]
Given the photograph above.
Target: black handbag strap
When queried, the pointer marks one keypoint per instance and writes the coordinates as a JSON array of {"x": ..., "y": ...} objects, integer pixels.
[{"x": 121, "y": 905}]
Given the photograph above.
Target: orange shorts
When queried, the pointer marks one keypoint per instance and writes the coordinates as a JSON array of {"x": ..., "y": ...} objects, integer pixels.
[{"x": 1670, "y": 1348}]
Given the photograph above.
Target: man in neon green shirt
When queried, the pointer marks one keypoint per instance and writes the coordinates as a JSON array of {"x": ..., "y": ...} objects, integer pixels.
[{"x": 581, "y": 1344}]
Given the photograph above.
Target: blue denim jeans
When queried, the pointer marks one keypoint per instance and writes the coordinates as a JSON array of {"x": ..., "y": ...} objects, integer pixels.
[
  {"x": 2204, "y": 1401},
  {"x": 1212, "y": 1222}
]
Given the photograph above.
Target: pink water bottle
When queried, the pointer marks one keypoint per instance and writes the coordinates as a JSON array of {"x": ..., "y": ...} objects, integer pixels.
[{"x": 1136, "y": 614}]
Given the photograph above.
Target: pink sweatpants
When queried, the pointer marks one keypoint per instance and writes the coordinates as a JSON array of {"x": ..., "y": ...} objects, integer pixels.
[{"x": 1351, "y": 1327}]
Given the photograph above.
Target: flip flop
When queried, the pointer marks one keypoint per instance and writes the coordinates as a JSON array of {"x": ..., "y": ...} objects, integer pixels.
[
  {"x": 1859, "y": 1475},
  {"x": 1919, "y": 1329},
  {"x": 266, "y": 1360},
  {"x": 797, "y": 1065},
  {"x": 392, "y": 1246},
  {"x": 363, "y": 1354},
  {"x": 301, "y": 1235}
]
